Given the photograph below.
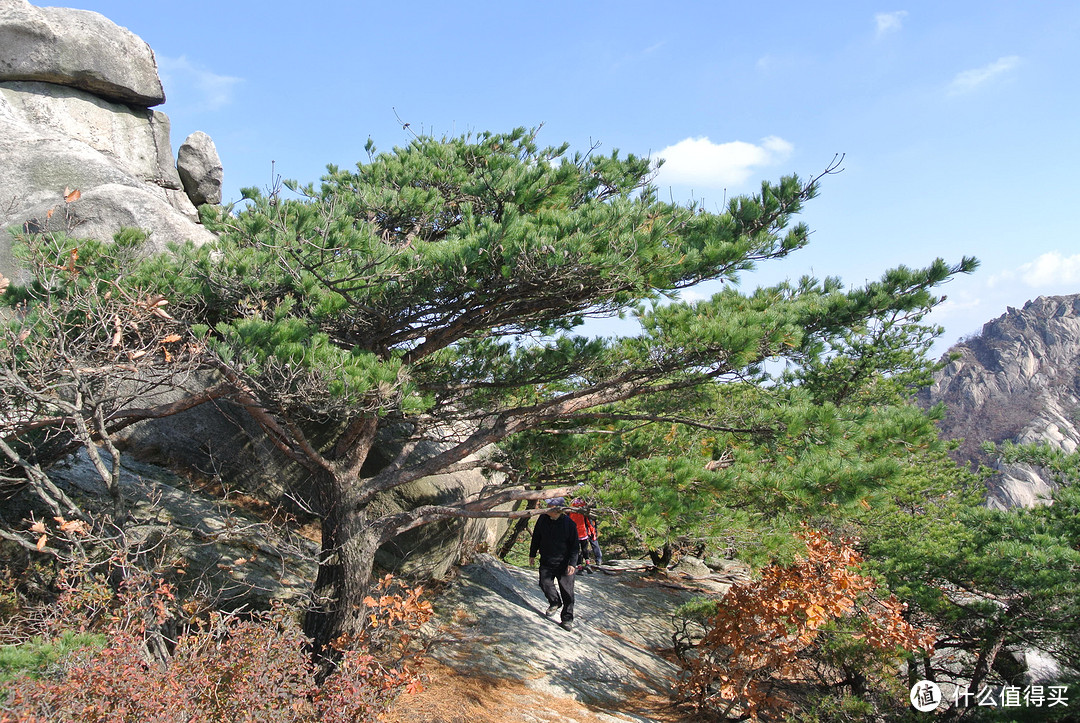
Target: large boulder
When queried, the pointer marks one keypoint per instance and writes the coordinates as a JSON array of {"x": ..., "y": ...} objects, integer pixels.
[
  {"x": 243, "y": 559},
  {"x": 77, "y": 48},
  {"x": 200, "y": 169},
  {"x": 74, "y": 91},
  {"x": 135, "y": 139},
  {"x": 492, "y": 627}
]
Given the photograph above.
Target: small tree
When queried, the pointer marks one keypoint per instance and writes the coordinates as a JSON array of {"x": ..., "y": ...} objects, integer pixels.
[
  {"x": 80, "y": 355},
  {"x": 434, "y": 292},
  {"x": 757, "y": 647}
]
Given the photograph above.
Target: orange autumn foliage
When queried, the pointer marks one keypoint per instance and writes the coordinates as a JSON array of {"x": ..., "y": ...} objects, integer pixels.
[{"x": 764, "y": 630}]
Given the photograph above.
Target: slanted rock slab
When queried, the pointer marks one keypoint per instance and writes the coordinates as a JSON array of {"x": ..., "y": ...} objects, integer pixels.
[{"x": 493, "y": 614}]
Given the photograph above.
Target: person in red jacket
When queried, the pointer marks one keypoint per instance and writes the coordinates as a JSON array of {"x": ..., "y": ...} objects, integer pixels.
[{"x": 587, "y": 540}]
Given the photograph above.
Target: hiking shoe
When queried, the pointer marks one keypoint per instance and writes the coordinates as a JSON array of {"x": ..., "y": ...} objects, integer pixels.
[
  {"x": 589, "y": 569},
  {"x": 551, "y": 609},
  {"x": 567, "y": 624}
]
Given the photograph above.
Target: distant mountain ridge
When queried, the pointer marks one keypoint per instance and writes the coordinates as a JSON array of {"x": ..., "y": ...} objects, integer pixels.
[{"x": 1018, "y": 380}]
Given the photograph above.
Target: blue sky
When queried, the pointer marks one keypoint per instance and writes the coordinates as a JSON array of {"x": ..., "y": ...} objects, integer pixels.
[{"x": 958, "y": 119}]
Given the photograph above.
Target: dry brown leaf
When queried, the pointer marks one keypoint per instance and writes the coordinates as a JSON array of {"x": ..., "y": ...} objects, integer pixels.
[
  {"x": 118, "y": 335},
  {"x": 77, "y": 526},
  {"x": 71, "y": 196}
]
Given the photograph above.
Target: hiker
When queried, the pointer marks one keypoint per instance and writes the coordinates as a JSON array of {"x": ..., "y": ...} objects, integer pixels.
[
  {"x": 587, "y": 539},
  {"x": 555, "y": 538}
]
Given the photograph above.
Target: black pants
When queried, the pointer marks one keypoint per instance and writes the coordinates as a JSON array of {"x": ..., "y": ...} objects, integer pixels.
[{"x": 564, "y": 594}]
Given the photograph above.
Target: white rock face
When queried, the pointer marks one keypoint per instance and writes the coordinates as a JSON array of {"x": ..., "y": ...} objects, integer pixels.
[
  {"x": 39, "y": 161},
  {"x": 75, "y": 91},
  {"x": 77, "y": 48},
  {"x": 620, "y": 620},
  {"x": 1017, "y": 381},
  {"x": 136, "y": 139}
]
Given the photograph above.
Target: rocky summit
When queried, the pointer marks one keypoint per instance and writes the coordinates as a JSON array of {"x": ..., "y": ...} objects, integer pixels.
[
  {"x": 76, "y": 114},
  {"x": 1016, "y": 381}
]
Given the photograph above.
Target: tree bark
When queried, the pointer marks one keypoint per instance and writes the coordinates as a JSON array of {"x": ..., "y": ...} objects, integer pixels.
[
  {"x": 987, "y": 655},
  {"x": 515, "y": 532},
  {"x": 346, "y": 562},
  {"x": 349, "y": 540},
  {"x": 661, "y": 558}
]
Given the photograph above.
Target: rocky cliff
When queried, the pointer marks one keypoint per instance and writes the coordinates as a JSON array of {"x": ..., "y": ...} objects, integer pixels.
[
  {"x": 77, "y": 93},
  {"x": 1018, "y": 380}
]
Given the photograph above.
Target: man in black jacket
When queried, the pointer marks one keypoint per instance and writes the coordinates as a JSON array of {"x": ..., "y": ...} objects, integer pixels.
[{"x": 555, "y": 538}]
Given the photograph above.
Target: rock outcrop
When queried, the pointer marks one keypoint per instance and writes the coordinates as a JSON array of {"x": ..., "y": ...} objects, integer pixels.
[
  {"x": 76, "y": 98},
  {"x": 226, "y": 550},
  {"x": 226, "y": 445},
  {"x": 77, "y": 48},
  {"x": 616, "y": 661},
  {"x": 1019, "y": 380}
]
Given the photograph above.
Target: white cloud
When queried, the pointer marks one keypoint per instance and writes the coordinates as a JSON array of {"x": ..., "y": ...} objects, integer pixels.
[
  {"x": 889, "y": 22},
  {"x": 701, "y": 163},
  {"x": 692, "y": 296},
  {"x": 969, "y": 80},
  {"x": 959, "y": 303},
  {"x": 205, "y": 89},
  {"x": 1047, "y": 270}
]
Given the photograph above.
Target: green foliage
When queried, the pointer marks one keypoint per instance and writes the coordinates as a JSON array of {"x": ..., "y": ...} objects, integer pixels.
[
  {"x": 743, "y": 464},
  {"x": 441, "y": 288},
  {"x": 36, "y": 656},
  {"x": 984, "y": 576},
  {"x": 450, "y": 271}
]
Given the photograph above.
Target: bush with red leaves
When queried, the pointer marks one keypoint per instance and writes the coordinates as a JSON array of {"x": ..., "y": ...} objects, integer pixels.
[{"x": 224, "y": 669}]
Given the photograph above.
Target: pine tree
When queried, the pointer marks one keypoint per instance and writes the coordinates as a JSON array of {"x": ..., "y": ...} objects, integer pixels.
[
  {"x": 992, "y": 580},
  {"x": 434, "y": 293}
]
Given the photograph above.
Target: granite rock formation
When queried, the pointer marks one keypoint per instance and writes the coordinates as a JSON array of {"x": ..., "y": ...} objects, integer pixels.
[
  {"x": 76, "y": 113},
  {"x": 77, "y": 97},
  {"x": 1018, "y": 381},
  {"x": 617, "y": 660}
]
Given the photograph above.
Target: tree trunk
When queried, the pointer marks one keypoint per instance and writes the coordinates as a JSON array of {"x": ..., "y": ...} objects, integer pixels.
[
  {"x": 512, "y": 536},
  {"x": 987, "y": 655},
  {"x": 349, "y": 541},
  {"x": 662, "y": 557},
  {"x": 346, "y": 562}
]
